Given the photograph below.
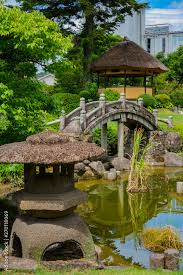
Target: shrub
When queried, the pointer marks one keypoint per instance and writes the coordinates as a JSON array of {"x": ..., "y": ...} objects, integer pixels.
[
  {"x": 163, "y": 101},
  {"x": 177, "y": 98},
  {"x": 67, "y": 102},
  {"x": 90, "y": 93},
  {"x": 160, "y": 239},
  {"x": 111, "y": 95},
  {"x": 11, "y": 173},
  {"x": 149, "y": 100}
]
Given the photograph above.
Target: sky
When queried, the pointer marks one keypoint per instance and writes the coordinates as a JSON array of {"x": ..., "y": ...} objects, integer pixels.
[
  {"x": 165, "y": 11},
  {"x": 161, "y": 12}
]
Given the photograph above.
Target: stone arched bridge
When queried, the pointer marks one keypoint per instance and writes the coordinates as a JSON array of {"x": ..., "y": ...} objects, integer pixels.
[{"x": 90, "y": 116}]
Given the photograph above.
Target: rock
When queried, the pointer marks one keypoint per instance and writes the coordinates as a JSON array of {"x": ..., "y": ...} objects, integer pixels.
[
  {"x": 173, "y": 142},
  {"x": 112, "y": 175},
  {"x": 118, "y": 173},
  {"x": 173, "y": 160},
  {"x": 98, "y": 168},
  {"x": 121, "y": 164},
  {"x": 80, "y": 168},
  {"x": 180, "y": 187},
  {"x": 155, "y": 154},
  {"x": 157, "y": 261},
  {"x": 171, "y": 259},
  {"x": 86, "y": 162},
  {"x": 107, "y": 166},
  {"x": 72, "y": 264},
  {"x": 88, "y": 174},
  {"x": 19, "y": 264}
]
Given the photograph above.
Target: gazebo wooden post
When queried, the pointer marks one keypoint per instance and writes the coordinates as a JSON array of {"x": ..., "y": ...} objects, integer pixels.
[
  {"x": 125, "y": 84},
  {"x": 98, "y": 80},
  {"x": 145, "y": 85}
]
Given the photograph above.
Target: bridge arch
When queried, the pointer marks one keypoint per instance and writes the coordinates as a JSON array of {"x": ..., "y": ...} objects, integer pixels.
[{"x": 95, "y": 114}]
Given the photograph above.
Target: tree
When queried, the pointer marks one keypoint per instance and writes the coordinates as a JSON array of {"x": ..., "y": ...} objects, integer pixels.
[
  {"x": 174, "y": 61},
  {"x": 27, "y": 40},
  {"x": 84, "y": 17}
]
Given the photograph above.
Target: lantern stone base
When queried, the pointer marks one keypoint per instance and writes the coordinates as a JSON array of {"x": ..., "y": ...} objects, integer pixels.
[{"x": 36, "y": 238}]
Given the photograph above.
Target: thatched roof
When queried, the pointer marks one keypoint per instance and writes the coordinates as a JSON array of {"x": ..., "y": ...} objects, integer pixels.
[
  {"x": 49, "y": 148},
  {"x": 128, "y": 58}
]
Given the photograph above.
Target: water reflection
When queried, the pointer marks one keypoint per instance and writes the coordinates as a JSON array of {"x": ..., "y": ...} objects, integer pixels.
[{"x": 116, "y": 217}]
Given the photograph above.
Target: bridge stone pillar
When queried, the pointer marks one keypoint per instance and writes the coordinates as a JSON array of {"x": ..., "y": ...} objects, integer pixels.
[
  {"x": 141, "y": 102},
  {"x": 83, "y": 103},
  {"x": 123, "y": 99},
  {"x": 62, "y": 120},
  {"x": 121, "y": 138},
  {"x": 104, "y": 136},
  {"x": 102, "y": 103},
  {"x": 155, "y": 113},
  {"x": 83, "y": 119}
]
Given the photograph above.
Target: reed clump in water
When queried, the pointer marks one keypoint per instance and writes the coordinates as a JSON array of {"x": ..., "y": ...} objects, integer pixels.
[
  {"x": 137, "y": 176},
  {"x": 159, "y": 239}
]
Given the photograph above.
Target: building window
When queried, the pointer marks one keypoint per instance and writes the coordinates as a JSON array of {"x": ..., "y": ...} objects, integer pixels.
[
  {"x": 148, "y": 45},
  {"x": 163, "y": 45}
]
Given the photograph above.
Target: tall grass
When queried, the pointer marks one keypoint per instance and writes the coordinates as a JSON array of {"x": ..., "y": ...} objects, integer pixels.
[{"x": 137, "y": 176}]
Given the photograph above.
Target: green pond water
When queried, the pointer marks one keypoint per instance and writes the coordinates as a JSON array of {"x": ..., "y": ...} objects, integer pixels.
[{"x": 116, "y": 218}]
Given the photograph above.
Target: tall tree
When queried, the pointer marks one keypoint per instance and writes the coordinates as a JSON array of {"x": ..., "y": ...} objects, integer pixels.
[
  {"x": 26, "y": 40},
  {"x": 85, "y": 17}
]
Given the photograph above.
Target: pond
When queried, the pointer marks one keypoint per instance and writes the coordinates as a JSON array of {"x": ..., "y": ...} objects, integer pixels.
[{"x": 116, "y": 218}]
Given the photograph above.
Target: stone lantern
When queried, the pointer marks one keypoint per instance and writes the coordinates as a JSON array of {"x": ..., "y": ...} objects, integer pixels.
[{"x": 47, "y": 227}]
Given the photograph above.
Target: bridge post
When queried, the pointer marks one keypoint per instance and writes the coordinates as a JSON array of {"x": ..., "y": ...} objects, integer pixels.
[
  {"x": 104, "y": 137},
  {"x": 83, "y": 103},
  {"x": 141, "y": 102},
  {"x": 155, "y": 113},
  {"x": 62, "y": 120},
  {"x": 120, "y": 138},
  {"x": 170, "y": 121},
  {"x": 102, "y": 103},
  {"x": 83, "y": 119},
  {"x": 123, "y": 99}
]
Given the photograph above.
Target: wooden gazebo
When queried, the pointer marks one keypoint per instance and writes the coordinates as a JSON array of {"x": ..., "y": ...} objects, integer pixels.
[{"x": 127, "y": 59}]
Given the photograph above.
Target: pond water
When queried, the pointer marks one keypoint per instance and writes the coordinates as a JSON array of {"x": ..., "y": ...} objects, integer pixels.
[{"x": 116, "y": 218}]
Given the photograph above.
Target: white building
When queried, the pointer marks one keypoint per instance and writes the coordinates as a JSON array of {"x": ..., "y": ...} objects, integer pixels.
[
  {"x": 134, "y": 27},
  {"x": 154, "y": 38},
  {"x": 48, "y": 79},
  {"x": 161, "y": 38}
]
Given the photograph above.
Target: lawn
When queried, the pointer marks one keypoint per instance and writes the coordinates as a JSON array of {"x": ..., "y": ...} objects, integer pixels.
[
  {"x": 177, "y": 121},
  {"x": 131, "y": 271}
]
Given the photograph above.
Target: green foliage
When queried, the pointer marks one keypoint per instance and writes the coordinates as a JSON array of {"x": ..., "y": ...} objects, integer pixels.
[
  {"x": 111, "y": 95},
  {"x": 174, "y": 61},
  {"x": 67, "y": 102},
  {"x": 27, "y": 39},
  {"x": 163, "y": 101},
  {"x": 94, "y": 16},
  {"x": 138, "y": 174},
  {"x": 149, "y": 100},
  {"x": 11, "y": 173},
  {"x": 91, "y": 92},
  {"x": 112, "y": 139},
  {"x": 177, "y": 97}
]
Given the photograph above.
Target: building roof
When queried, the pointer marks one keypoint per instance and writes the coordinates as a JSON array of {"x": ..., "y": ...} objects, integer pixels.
[
  {"x": 127, "y": 58},
  {"x": 49, "y": 148}
]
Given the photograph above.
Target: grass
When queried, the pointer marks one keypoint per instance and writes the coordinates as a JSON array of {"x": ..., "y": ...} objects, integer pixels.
[
  {"x": 130, "y": 271},
  {"x": 177, "y": 121},
  {"x": 159, "y": 239}
]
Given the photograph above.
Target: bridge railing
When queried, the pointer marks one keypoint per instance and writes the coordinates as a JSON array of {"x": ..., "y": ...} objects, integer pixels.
[{"x": 87, "y": 112}]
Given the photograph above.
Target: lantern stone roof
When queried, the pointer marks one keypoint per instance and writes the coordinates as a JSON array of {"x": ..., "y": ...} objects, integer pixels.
[
  {"x": 128, "y": 58},
  {"x": 49, "y": 148}
]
